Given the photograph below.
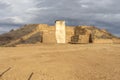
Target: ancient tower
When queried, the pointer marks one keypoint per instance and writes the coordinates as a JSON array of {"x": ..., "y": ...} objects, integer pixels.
[{"x": 60, "y": 31}]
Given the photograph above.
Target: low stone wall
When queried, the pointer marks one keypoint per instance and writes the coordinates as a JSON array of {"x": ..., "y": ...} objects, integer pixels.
[
  {"x": 69, "y": 33},
  {"x": 83, "y": 39},
  {"x": 116, "y": 41},
  {"x": 49, "y": 36},
  {"x": 103, "y": 41}
]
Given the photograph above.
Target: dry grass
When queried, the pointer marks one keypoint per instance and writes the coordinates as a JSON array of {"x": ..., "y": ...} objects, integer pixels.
[{"x": 61, "y": 62}]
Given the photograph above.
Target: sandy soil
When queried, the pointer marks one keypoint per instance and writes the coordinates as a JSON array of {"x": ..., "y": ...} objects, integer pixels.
[{"x": 61, "y": 62}]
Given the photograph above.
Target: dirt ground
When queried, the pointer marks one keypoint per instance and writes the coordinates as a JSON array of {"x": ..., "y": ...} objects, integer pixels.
[{"x": 60, "y": 62}]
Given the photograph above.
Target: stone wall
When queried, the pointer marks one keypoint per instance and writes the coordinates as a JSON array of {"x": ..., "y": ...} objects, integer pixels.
[
  {"x": 69, "y": 33},
  {"x": 84, "y": 39},
  {"x": 48, "y": 34},
  {"x": 116, "y": 41},
  {"x": 65, "y": 34},
  {"x": 81, "y": 35},
  {"x": 49, "y": 37},
  {"x": 103, "y": 41}
]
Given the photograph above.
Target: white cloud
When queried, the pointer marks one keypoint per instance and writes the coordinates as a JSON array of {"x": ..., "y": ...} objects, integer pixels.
[
  {"x": 84, "y": 6},
  {"x": 14, "y": 20},
  {"x": 38, "y": 9}
]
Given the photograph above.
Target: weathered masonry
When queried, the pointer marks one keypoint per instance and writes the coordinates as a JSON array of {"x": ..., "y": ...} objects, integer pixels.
[{"x": 59, "y": 33}]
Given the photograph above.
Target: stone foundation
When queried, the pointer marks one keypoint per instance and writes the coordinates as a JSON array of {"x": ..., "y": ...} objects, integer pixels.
[{"x": 103, "y": 41}]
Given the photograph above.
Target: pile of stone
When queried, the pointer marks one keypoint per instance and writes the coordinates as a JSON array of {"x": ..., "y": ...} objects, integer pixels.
[{"x": 91, "y": 34}]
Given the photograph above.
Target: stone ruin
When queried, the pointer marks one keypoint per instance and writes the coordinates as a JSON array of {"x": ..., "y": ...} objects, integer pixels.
[{"x": 60, "y": 33}]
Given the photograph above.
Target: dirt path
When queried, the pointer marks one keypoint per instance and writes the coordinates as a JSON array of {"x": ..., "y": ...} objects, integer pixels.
[{"x": 61, "y": 62}]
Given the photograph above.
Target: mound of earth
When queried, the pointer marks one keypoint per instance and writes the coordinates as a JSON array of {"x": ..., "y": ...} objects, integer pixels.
[
  {"x": 25, "y": 34},
  {"x": 33, "y": 33}
]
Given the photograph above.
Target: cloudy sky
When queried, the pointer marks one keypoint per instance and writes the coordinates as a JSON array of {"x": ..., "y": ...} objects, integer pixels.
[{"x": 101, "y": 13}]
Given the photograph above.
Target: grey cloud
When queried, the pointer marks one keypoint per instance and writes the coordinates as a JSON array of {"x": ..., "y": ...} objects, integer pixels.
[
  {"x": 4, "y": 5},
  {"x": 94, "y": 6},
  {"x": 9, "y": 23},
  {"x": 101, "y": 13},
  {"x": 6, "y": 28}
]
